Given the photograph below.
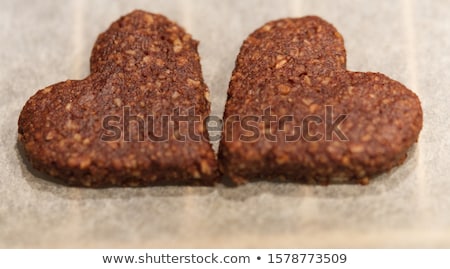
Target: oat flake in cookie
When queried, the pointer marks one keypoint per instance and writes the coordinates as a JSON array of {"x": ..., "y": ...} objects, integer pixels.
[
  {"x": 137, "y": 119},
  {"x": 295, "y": 113}
]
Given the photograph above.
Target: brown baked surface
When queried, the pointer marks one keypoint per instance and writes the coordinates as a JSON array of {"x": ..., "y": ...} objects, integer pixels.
[
  {"x": 298, "y": 67},
  {"x": 148, "y": 65}
]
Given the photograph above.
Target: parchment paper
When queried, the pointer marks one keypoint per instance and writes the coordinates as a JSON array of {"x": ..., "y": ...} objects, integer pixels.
[{"x": 43, "y": 42}]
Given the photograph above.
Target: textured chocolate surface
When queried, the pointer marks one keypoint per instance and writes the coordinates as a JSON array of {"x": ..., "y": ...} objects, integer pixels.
[
  {"x": 297, "y": 67},
  {"x": 143, "y": 65}
]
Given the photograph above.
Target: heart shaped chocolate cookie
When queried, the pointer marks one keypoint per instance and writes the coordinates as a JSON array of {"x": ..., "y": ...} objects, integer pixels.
[
  {"x": 137, "y": 119},
  {"x": 295, "y": 113}
]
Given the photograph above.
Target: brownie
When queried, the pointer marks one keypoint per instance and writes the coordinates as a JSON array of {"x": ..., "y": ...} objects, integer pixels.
[
  {"x": 294, "y": 113},
  {"x": 136, "y": 120}
]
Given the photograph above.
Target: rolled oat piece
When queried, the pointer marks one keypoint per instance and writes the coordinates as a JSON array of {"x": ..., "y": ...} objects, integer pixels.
[{"x": 294, "y": 113}]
